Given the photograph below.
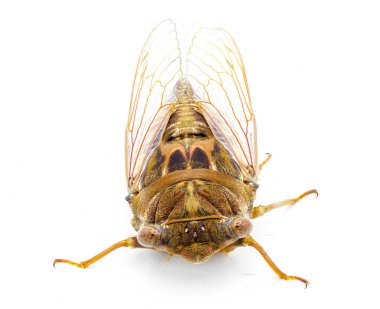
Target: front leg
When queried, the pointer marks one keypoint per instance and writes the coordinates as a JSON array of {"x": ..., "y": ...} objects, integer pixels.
[
  {"x": 249, "y": 241},
  {"x": 130, "y": 242}
]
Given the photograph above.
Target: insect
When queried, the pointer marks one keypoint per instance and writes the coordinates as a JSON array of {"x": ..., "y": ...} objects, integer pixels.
[{"x": 191, "y": 150}]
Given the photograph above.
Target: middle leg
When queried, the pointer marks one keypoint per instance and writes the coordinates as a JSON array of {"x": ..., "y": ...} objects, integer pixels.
[{"x": 261, "y": 210}]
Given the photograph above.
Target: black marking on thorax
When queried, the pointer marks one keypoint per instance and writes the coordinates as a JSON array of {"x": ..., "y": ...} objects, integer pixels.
[
  {"x": 176, "y": 161},
  {"x": 188, "y": 143},
  {"x": 199, "y": 159}
]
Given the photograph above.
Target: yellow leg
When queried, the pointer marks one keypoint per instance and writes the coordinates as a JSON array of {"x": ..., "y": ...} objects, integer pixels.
[
  {"x": 268, "y": 157},
  {"x": 130, "y": 242},
  {"x": 249, "y": 241},
  {"x": 261, "y": 210}
]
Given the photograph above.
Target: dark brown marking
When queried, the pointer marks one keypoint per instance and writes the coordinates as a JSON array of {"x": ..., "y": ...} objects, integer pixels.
[
  {"x": 176, "y": 161},
  {"x": 224, "y": 162},
  {"x": 200, "y": 159},
  {"x": 159, "y": 159},
  {"x": 154, "y": 168}
]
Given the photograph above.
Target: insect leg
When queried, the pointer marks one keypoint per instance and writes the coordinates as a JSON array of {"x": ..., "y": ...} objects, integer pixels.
[
  {"x": 249, "y": 241},
  {"x": 268, "y": 157},
  {"x": 130, "y": 242},
  {"x": 261, "y": 210}
]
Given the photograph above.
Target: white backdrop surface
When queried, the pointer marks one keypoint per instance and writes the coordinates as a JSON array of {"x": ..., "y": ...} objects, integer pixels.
[{"x": 66, "y": 69}]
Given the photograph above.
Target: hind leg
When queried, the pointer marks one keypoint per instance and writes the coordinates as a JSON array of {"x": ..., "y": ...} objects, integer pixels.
[{"x": 268, "y": 157}]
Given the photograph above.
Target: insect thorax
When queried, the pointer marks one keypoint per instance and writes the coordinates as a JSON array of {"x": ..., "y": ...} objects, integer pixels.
[
  {"x": 188, "y": 143},
  {"x": 202, "y": 203}
]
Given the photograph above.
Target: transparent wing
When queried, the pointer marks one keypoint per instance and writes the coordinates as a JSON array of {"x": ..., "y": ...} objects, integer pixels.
[
  {"x": 152, "y": 99},
  {"x": 216, "y": 73}
]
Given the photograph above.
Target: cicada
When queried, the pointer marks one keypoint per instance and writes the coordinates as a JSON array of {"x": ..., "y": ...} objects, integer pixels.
[{"x": 191, "y": 150}]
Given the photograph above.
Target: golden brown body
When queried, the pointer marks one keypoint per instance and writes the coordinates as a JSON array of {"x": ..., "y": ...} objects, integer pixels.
[
  {"x": 192, "y": 204},
  {"x": 188, "y": 143},
  {"x": 191, "y": 150}
]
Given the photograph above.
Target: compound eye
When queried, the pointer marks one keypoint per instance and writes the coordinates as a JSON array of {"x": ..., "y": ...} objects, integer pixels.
[
  {"x": 148, "y": 236},
  {"x": 241, "y": 226}
]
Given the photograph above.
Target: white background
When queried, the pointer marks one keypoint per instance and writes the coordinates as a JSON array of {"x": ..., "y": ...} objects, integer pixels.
[{"x": 66, "y": 69}]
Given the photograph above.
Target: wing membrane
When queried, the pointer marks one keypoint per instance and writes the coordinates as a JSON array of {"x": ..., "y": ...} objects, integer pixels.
[
  {"x": 152, "y": 99},
  {"x": 216, "y": 73}
]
